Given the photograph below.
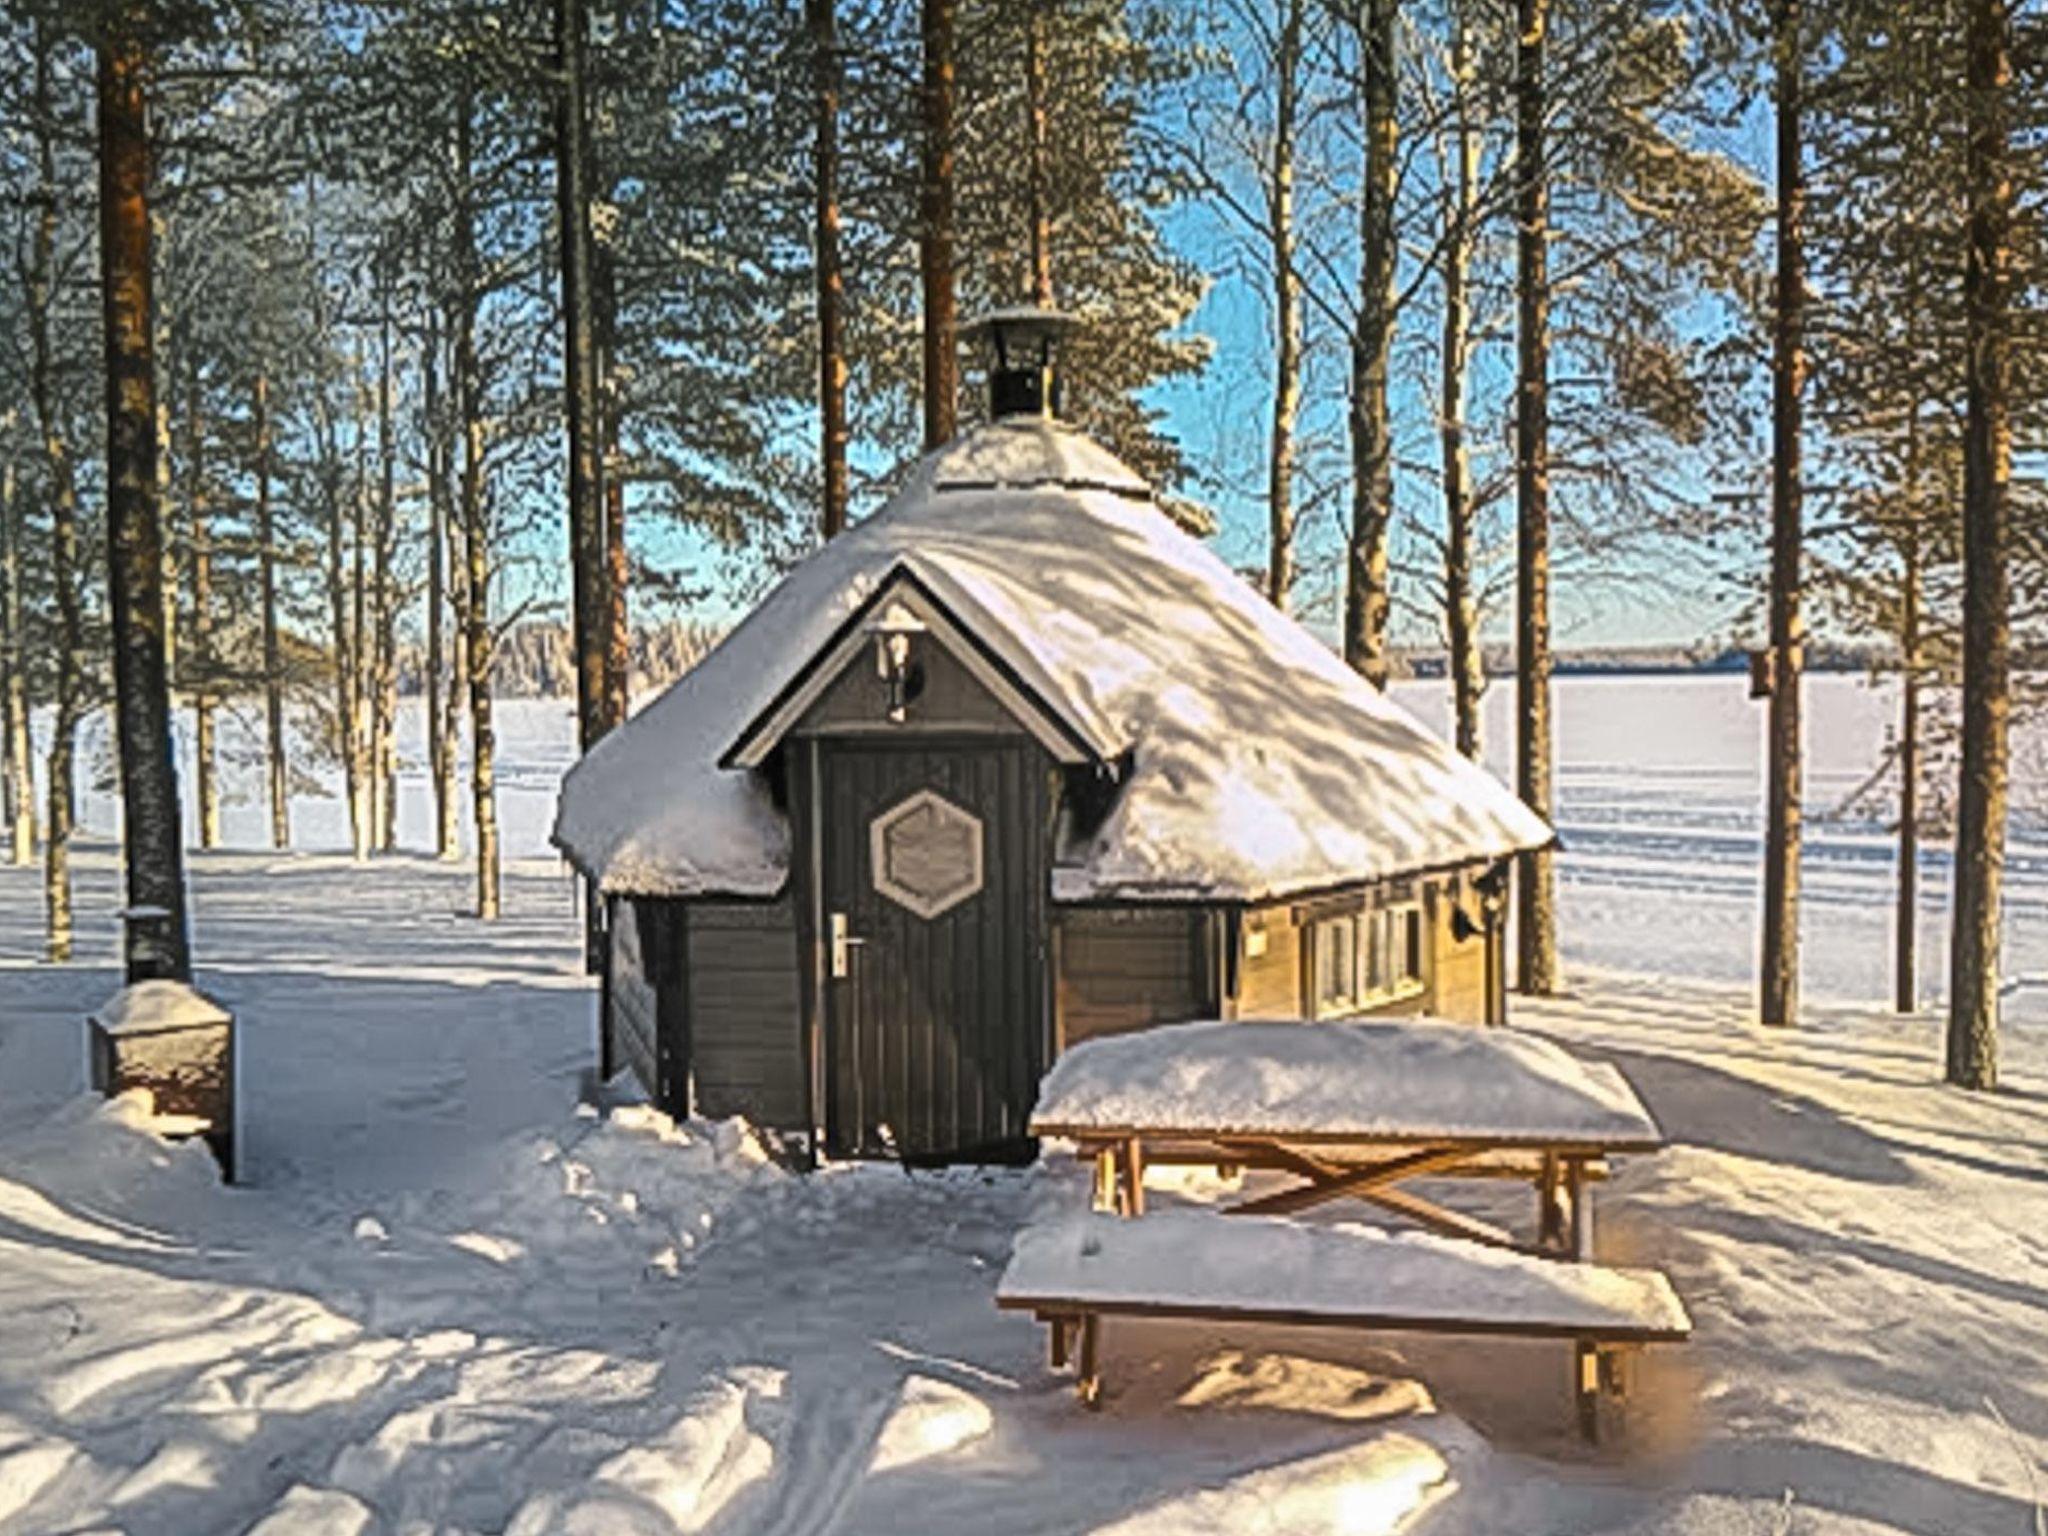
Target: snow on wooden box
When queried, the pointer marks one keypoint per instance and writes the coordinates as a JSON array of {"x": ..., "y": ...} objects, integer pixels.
[
  {"x": 174, "y": 1040},
  {"x": 1380, "y": 1080},
  {"x": 1194, "y": 1261}
]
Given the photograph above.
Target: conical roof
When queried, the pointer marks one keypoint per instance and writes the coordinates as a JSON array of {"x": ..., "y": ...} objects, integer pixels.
[{"x": 1259, "y": 764}]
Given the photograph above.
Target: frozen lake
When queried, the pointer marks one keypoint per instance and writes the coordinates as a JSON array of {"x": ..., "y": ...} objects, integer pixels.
[{"x": 1660, "y": 793}]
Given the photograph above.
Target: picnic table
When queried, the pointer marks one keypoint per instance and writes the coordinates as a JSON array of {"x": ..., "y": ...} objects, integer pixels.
[{"x": 1355, "y": 1112}]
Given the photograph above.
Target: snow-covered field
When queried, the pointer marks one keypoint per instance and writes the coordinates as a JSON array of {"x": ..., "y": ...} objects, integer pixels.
[{"x": 447, "y": 1300}]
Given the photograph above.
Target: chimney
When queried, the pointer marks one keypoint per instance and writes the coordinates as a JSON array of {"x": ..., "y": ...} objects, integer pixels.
[{"x": 1023, "y": 348}]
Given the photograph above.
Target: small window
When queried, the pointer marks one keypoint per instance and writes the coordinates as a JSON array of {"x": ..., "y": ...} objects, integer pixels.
[
  {"x": 1336, "y": 944},
  {"x": 1365, "y": 959}
]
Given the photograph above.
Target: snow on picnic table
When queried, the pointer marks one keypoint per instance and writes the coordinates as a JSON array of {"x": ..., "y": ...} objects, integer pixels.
[{"x": 1385, "y": 1080}]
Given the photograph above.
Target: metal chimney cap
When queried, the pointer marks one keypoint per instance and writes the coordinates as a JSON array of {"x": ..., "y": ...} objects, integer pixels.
[{"x": 1022, "y": 380}]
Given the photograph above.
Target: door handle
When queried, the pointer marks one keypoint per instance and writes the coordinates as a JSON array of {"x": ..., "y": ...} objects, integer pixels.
[{"x": 843, "y": 946}]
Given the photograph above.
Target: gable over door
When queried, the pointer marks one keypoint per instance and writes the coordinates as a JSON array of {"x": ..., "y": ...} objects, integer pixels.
[{"x": 932, "y": 869}]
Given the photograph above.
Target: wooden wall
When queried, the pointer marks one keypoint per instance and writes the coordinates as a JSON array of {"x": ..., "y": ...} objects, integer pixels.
[
  {"x": 1457, "y": 969},
  {"x": 1274, "y": 984},
  {"x": 1269, "y": 984},
  {"x": 744, "y": 1011},
  {"x": 950, "y": 700},
  {"x": 1122, "y": 969},
  {"x": 632, "y": 1020}
]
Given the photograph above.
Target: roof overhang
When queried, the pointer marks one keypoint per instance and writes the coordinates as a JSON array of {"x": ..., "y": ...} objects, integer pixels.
[{"x": 902, "y": 592}]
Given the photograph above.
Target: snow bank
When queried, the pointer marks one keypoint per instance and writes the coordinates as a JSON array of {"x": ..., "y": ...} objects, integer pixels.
[
  {"x": 1383, "y": 1078},
  {"x": 1269, "y": 1263},
  {"x": 674, "y": 1484},
  {"x": 931, "y": 1418},
  {"x": 1362, "y": 1490}
]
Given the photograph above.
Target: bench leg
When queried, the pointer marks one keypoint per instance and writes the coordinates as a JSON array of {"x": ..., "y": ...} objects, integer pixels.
[
  {"x": 1056, "y": 1331},
  {"x": 1586, "y": 1388},
  {"x": 1088, "y": 1380},
  {"x": 1598, "y": 1371}
]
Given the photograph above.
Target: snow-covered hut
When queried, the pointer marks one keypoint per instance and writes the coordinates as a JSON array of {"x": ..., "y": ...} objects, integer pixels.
[{"x": 1013, "y": 763}]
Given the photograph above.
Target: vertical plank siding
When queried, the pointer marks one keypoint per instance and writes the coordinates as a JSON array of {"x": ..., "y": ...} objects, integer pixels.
[
  {"x": 743, "y": 1011},
  {"x": 1128, "y": 968},
  {"x": 632, "y": 1000},
  {"x": 937, "y": 1034}
]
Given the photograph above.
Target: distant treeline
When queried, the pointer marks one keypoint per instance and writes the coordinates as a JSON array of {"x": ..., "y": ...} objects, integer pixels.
[
  {"x": 1821, "y": 656},
  {"x": 535, "y": 659}
]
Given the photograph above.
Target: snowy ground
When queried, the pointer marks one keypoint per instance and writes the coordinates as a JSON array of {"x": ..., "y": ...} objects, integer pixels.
[{"x": 447, "y": 1301}]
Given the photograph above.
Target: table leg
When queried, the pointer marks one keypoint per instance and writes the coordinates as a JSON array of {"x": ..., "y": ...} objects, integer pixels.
[
  {"x": 1549, "y": 1205},
  {"x": 1106, "y": 1197},
  {"x": 1088, "y": 1379},
  {"x": 1134, "y": 1177}
]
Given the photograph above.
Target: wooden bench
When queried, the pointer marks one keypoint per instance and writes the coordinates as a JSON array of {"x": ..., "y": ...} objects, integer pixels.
[{"x": 1073, "y": 1271}]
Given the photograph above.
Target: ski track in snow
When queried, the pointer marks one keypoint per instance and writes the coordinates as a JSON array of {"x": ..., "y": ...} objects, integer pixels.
[{"x": 449, "y": 1301}]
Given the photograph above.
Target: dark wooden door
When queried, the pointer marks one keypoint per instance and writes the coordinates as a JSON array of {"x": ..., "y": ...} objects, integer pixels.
[{"x": 934, "y": 865}]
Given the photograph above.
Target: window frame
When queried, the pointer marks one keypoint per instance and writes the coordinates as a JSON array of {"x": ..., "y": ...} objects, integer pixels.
[{"x": 1388, "y": 957}]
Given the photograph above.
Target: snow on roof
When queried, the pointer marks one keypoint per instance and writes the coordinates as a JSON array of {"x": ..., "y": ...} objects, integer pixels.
[
  {"x": 1194, "y": 1258},
  {"x": 1262, "y": 765},
  {"x": 1404, "y": 1079}
]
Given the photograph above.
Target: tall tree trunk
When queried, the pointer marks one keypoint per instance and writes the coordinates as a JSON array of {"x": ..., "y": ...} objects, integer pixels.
[
  {"x": 59, "y": 770},
  {"x": 1906, "y": 926},
  {"x": 1372, "y": 351},
  {"x": 21, "y": 787},
  {"x": 935, "y": 226},
  {"x": 618, "y": 634},
  {"x": 826, "y": 76},
  {"x": 439, "y": 684},
  {"x": 476, "y": 586},
  {"x": 204, "y": 752},
  {"x": 1779, "y": 1000},
  {"x": 580, "y": 388},
  {"x": 455, "y": 703},
  {"x": 65, "y": 564},
  {"x": 1286, "y": 309},
  {"x": 1536, "y": 882},
  {"x": 276, "y": 778},
  {"x": 383, "y": 669},
  {"x": 1461, "y": 604},
  {"x": 167, "y": 507},
  {"x": 340, "y": 592},
  {"x": 1987, "y": 597},
  {"x": 158, "y": 943},
  {"x": 1038, "y": 136}
]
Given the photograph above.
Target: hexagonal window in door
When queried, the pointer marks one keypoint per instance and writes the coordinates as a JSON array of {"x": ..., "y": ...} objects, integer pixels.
[{"x": 926, "y": 853}]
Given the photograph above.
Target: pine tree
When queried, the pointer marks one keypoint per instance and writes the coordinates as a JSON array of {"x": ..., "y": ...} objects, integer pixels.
[
  {"x": 1987, "y": 592},
  {"x": 1536, "y": 880},
  {"x": 827, "y": 80},
  {"x": 1367, "y": 595},
  {"x": 158, "y": 941},
  {"x": 938, "y": 26},
  {"x": 1786, "y": 753}
]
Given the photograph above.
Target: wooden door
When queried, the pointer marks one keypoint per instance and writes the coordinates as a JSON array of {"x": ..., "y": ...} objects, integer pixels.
[{"x": 933, "y": 919}]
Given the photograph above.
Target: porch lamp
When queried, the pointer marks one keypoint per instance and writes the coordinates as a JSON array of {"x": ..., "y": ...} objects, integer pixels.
[
  {"x": 892, "y": 630},
  {"x": 1023, "y": 346}
]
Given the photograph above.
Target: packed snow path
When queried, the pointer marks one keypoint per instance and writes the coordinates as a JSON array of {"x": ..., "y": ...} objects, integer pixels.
[{"x": 450, "y": 1302}]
